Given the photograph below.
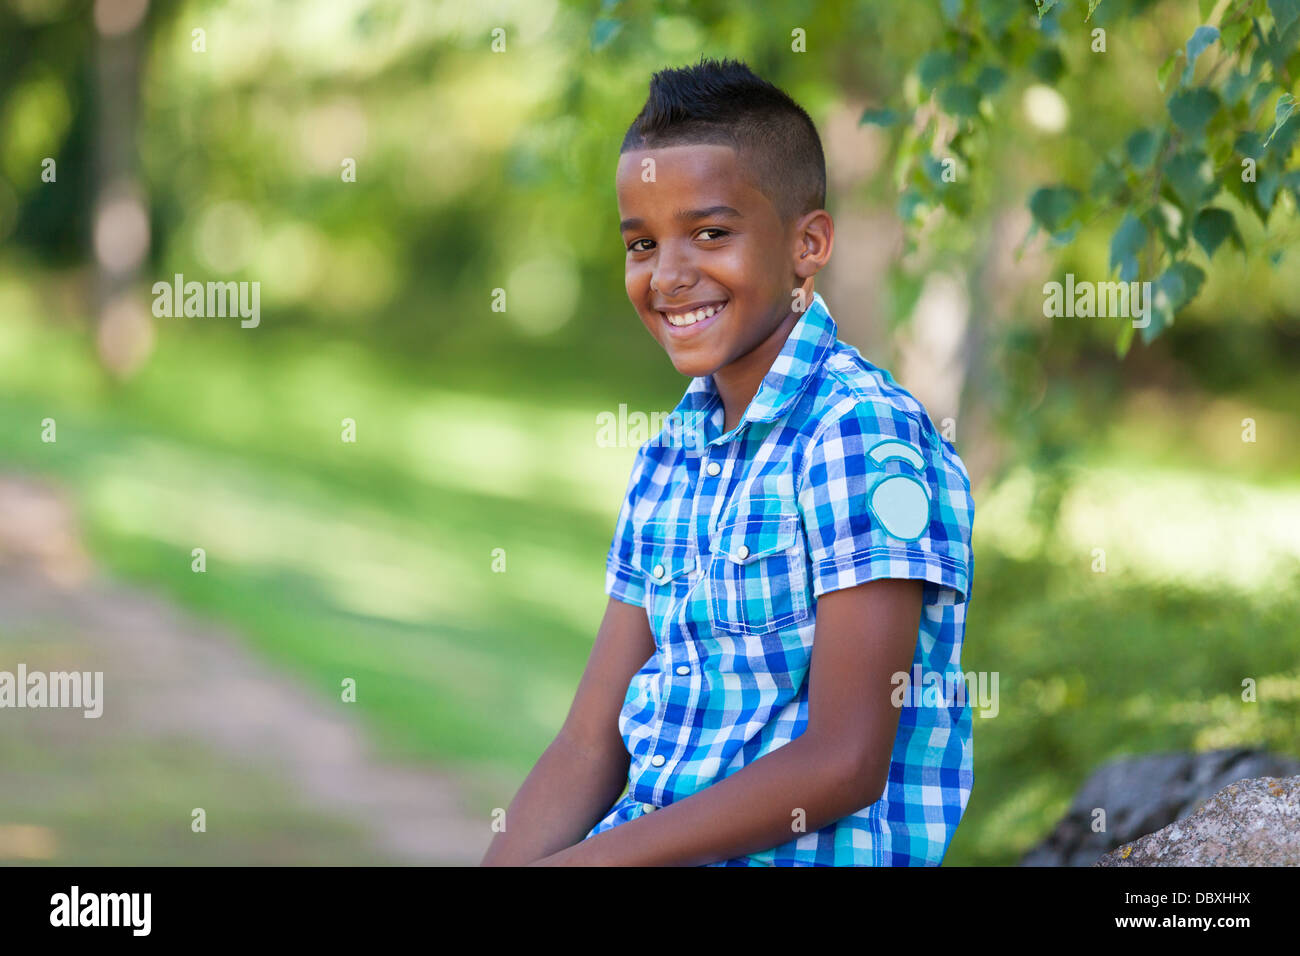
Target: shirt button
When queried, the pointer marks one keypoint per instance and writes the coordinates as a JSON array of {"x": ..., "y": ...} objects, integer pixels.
[
  {"x": 659, "y": 570},
  {"x": 648, "y": 807},
  {"x": 714, "y": 468},
  {"x": 658, "y": 760},
  {"x": 743, "y": 552},
  {"x": 683, "y": 669}
]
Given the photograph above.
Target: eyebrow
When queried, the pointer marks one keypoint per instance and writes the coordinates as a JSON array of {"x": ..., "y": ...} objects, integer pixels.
[{"x": 686, "y": 215}]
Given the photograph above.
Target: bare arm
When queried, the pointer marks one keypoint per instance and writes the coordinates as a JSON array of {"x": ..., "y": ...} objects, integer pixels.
[
  {"x": 840, "y": 764},
  {"x": 580, "y": 775}
]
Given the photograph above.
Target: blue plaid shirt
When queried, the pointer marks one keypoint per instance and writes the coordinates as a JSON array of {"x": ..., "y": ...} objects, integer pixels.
[{"x": 834, "y": 476}]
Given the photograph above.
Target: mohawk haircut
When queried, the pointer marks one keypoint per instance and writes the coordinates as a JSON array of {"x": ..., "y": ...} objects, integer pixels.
[{"x": 725, "y": 103}]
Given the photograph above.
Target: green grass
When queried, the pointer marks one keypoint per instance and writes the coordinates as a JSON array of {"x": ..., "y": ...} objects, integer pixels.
[{"x": 374, "y": 561}]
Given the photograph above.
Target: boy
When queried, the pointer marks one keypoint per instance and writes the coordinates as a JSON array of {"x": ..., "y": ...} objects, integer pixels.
[{"x": 792, "y": 547}]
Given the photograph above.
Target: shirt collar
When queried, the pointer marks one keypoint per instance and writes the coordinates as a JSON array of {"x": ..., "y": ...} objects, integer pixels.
[{"x": 806, "y": 347}]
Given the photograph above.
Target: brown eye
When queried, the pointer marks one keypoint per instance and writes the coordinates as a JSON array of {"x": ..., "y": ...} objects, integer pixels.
[
  {"x": 633, "y": 246},
  {"x": 720, "y": 234}
]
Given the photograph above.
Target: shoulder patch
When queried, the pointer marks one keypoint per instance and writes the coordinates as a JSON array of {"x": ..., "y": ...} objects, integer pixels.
[{"x": 900, "y": 503}]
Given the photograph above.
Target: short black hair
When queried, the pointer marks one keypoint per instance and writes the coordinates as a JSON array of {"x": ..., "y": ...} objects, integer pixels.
[{"x": 725, "y": 102}]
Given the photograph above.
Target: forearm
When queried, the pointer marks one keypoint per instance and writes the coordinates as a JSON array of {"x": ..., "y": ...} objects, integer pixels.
[
  {"x": 753, "y": 809},
  {"x": 568, "y": 790}
]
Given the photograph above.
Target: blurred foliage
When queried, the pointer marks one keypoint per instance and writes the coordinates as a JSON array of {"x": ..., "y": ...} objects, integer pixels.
[
  {"x": 1236, "y": 129},
  {"x": 485, "y": 159}
]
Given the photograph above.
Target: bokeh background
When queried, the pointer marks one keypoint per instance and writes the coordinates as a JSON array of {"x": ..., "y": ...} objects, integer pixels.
[{"x": 1136, "y": 538}]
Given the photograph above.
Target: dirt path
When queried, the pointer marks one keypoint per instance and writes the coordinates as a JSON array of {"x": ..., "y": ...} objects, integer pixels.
[{"x": 171, "y": 677}]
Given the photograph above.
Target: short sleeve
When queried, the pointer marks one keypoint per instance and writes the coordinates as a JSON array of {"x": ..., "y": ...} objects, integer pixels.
[
  {"x": 623, "y": 580},
  {"x": 881, "y": 495}
]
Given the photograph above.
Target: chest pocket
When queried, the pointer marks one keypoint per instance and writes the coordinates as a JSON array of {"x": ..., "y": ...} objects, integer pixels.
[
  {"x": 758, "y": 578},
  {"x": 662, "y": 551}
]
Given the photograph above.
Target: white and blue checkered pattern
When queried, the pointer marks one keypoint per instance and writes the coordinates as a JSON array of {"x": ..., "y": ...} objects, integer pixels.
[{"x": 834, "y": 476}]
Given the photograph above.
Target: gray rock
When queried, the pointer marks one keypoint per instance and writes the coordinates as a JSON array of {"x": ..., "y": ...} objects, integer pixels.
[
  {"x": 1143, "y": 794},
  {"x": 1249, "y": 823}
]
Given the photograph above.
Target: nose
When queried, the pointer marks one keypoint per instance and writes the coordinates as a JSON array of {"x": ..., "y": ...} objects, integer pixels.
[{"x": 673, "y": 271}]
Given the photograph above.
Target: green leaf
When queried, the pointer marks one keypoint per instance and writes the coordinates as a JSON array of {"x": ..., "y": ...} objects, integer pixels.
[
  {"x": 1107, "y": 180},
  {"x": 1192, "y": 110},
  {"x": 1167, "y": 67},
  {"x": 990, "y": 79},
  {"x": 1249, "y": 143},
  {"x": 604, "y": 30},
  {"x": 1212, "y": 227},
  {"x": 1160, "y": 315},
  {"x": 1051, "y": 206},
  {"x": 933, "y": 167},
  {"x": 1234, "y": 87},
  {"x": 1260, "y": 94},
  {"x": 882, "y": 116},
  {"x": 1177, "y": 286},
  {"x": 1266, "y": 187},
  {"x": 960, "y": 99},
  {"x": 1249, "y": 194},
  {"x": 1141, "y": 148},
  {"x": 1281, "y": 113},
  {"x": 1234, "y": 33},
  {"x": 935, "y": 66},
  {"x": 1044, "y": 6},
  {"x": 912, "y": 205},
  {"x": 1196, "y": 45},
  {"x": 1284, "y": 139},
  {"x": 1291, "y": 181},
  {"x": 1193, "y": 278},
  {"x": 1169, "y": 223},
  {"x": 1125, "y": 246},
  {"x": 1092, "y": 7},
  {"x": 1124, "y": 340},
  {"x": 1191, "y": 177},
  {"x": 1284, "y": 12},
  {"x": 1047, "y": 64},
  {"x": 1064, "y": 237},
  {"x": 1165, "y": 293},
  {"x": 999, "y": 14},
  {"x": 1276, "y": 46}
]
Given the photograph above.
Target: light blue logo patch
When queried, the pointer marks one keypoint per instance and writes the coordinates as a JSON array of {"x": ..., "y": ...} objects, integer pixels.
[{"x": 900, "y": 503}]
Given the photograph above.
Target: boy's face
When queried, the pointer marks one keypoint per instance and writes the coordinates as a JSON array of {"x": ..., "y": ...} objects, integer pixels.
[{"x": 701, "y": 234}]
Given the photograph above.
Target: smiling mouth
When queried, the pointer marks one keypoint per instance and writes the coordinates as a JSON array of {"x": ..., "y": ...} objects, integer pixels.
[{"x": 681, "y": 322}]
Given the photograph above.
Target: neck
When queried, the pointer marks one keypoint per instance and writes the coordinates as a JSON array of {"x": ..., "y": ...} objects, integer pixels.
[{"x": 738, "y": 383}]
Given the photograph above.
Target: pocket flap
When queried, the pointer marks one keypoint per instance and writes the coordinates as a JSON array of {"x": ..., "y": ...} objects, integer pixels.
[
  {"x": 749, "y": 537},
  {"x": 659, "y": 558}
]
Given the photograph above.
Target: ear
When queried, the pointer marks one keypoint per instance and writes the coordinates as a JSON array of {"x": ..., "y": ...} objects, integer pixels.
[{"x": 814, "y": 240}]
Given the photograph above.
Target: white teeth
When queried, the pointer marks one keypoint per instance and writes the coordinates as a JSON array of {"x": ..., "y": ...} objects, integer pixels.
[{"x": 690, "y": 318}]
